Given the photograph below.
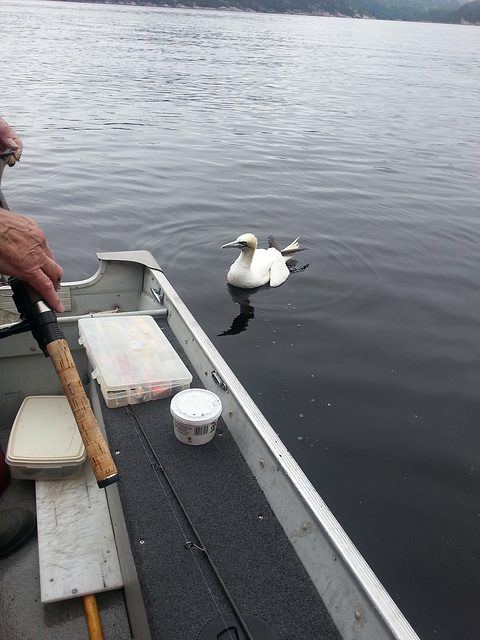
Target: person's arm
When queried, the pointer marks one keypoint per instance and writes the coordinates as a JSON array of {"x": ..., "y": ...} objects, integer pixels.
[{"x": 24, "y": 253}]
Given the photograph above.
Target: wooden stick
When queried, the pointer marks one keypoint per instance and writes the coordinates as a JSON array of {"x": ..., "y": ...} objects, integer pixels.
[
  {"x": 98, "y": 453},
  {"x": 93, "y": 618}
]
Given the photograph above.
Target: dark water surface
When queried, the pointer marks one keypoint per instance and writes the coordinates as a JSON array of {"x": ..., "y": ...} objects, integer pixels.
[{"x": 177, "y": 130}]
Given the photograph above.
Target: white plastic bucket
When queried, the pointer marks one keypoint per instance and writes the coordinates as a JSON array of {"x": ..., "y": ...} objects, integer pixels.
[{"x": 195, "y": 413}]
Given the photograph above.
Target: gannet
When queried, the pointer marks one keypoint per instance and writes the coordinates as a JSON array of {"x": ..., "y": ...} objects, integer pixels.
[{"x": 256, "y": 267}]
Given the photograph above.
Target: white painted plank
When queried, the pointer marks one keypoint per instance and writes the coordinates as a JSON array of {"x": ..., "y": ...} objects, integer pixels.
[{"x": 76, "y": 546}]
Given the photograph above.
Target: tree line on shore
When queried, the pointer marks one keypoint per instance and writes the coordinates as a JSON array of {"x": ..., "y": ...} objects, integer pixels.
[{"x": 447, "y": 11}]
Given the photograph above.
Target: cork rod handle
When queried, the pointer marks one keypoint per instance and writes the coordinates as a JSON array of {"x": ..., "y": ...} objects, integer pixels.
[{"x": 98, "y": 453}]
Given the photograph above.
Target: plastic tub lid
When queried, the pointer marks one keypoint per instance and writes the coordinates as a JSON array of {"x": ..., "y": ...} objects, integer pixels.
[
  {"x": 194, "y": 406},
  {"x": 45, "y": 434}
]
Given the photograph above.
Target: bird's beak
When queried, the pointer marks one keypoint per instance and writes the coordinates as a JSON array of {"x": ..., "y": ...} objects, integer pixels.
[{"x": 232, "y": 245}]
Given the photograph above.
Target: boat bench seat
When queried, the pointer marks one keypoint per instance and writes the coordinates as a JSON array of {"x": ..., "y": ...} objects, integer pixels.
[{"x": 8, "y": 310}]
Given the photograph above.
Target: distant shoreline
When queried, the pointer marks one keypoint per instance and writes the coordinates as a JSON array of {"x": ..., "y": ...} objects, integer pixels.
[
  {"x": 236, "y": 9},
  {"x": 146, "y": 3}
]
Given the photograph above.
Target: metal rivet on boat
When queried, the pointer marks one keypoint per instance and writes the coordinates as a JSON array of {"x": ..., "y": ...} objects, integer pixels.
[
  {"x": 304, "y": 526},
  {"x": 74, "y": 591},
  {"x": 142, "y": 541},
  {"x": 262, "y": 462},
  {"x": 117, "y": 452},
  {"x": 358, "y": 614}
]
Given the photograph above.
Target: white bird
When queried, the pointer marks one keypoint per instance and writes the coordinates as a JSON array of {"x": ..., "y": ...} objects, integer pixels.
[{"x": 256, "y": 267}]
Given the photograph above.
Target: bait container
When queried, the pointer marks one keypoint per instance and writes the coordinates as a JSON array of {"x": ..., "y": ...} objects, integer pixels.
[{"x": 195, "y": 414}]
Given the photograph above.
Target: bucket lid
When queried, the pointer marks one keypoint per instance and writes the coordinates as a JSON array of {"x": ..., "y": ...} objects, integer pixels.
[
  {"x": 194, "y": 406},
  {"x": 45, "y": 434}
]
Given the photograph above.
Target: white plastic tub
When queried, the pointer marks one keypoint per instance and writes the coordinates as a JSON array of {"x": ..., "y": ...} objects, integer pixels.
[
  {"x": 195, "y": 414},
  {"x": 45, "y": 443}
]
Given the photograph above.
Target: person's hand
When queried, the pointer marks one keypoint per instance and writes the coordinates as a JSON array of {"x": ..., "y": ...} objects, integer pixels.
[
  {"x": 10, "y": 140},
  {"x": 24, "y": 253}
]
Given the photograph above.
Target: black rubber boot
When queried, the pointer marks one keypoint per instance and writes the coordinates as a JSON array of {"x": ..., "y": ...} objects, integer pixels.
[
  {"x": 4, "y": 473},
  {"x": 16, "y": 526}
]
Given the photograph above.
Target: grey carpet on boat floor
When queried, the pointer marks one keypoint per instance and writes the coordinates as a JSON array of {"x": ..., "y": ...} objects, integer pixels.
[{"x": 224, "y": 503}]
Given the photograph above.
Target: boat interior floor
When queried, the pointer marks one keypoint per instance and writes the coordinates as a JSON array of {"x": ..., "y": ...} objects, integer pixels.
[
  {"x": 22, "y": 614},
  {"x": 185, "y": 505}
]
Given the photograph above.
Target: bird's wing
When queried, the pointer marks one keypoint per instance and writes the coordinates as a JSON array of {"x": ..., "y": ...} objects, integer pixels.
[
  {"x": 273, "y": 243},
  {"x": 278, "y": 271}
]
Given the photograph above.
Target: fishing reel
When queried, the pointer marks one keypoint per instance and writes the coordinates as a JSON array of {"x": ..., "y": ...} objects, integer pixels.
[{"x": 36, "y": 316}]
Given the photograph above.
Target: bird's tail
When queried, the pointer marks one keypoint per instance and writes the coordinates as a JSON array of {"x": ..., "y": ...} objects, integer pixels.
[
  {"x": 292, "y": 248},
  {"x": 289, "y": 251}
]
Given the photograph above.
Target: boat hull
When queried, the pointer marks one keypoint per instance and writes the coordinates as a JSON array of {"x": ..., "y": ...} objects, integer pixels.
[{"x": 132, "y": 283}]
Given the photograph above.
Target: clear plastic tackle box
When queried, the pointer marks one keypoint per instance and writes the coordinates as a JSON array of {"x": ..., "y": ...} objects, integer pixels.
[{"x": 132, "y": 359}]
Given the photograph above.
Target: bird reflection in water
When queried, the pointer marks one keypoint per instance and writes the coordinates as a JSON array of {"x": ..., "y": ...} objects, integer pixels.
[
  {"x": 242, "y": 297},
  {"x": 247, "y": 312}
]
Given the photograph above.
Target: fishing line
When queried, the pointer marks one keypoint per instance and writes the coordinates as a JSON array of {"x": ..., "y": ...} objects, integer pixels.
[{"x": 188, "y": 544}]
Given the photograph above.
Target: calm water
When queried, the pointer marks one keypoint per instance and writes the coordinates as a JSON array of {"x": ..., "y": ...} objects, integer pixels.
[{"x": 175, "y": 131}]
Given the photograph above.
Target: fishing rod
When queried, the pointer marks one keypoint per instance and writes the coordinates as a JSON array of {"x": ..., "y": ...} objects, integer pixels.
[{"x": 39, "y": 318}]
